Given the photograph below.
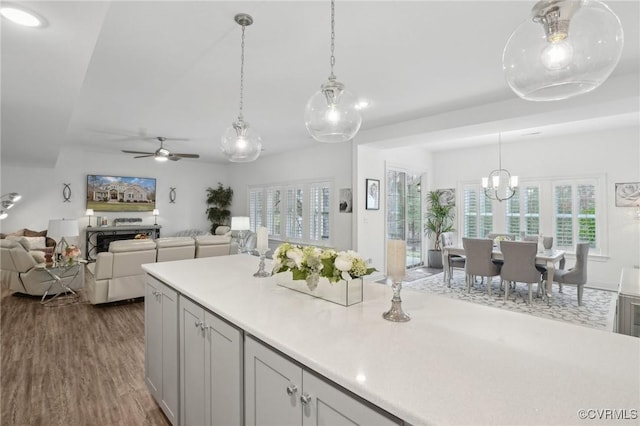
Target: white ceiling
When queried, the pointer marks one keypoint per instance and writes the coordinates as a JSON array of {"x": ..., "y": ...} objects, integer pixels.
[{"x": 109, "y": 76}]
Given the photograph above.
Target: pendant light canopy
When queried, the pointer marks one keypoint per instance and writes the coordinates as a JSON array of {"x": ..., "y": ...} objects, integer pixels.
[
  {"x": 499, "y": 185},
  {"x": 332, "y": 113},
  {"x": 565, "y": 48},
  {"x": 240, "y": 143}
]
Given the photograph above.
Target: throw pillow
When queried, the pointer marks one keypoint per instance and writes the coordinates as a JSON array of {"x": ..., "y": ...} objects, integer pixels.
[
  {"x": 38, "y": 256},
  {"x": 37, "y": 243},
  {"x": 20, "y": 240},
  {"x": 30, "y": 233}
]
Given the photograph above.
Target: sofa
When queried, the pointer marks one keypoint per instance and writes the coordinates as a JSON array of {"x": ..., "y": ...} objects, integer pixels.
[
  {"x": 117, "y": 274},
  {"x": 38, "y": 240},
  {"x": 22, "y": 270}
]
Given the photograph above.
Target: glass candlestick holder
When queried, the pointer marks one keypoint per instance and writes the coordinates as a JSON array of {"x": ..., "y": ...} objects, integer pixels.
[
  {"x": 261, "y": 273},
  {"x": 396, "y": 314}
]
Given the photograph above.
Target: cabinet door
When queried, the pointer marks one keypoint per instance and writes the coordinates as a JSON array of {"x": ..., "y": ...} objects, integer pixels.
[
  {"x": 223, "y": 372},
  {"x": 170, "y": 353},
  {"x": 153, "y": 339},
  {"x": 329, "y": 405},
  {"x": 192, "y": 363},
  {"x": 273, "y": 386}
]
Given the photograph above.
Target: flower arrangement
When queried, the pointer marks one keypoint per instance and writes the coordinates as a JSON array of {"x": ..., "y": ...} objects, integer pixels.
[
  {"x": 310, "y": 263},
  {"x": 71, "y": 253},
  {"x": 501, "y": 238}
]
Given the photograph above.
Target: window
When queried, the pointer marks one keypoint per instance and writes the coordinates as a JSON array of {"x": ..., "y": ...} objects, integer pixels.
[
  {"x": 575, "y": 213},
  {"x": 319, "y": 212},
  {"x": 299, "y": 212},
  {"x": 477, "y": 212},
  {"x": 523, "y": 211}
]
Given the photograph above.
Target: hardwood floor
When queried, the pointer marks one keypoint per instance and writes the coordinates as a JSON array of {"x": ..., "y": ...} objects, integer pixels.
[{"x": 74, "y": 364}]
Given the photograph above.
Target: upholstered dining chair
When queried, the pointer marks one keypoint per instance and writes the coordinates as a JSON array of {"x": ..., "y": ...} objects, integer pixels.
[
  {"x": 478, "y": 261},
  {"x": 547, "y": 242},
  {"x": 578, "y": 274},
  {"x": 454, "y": 260},
  {"x": 519, "y": 265}
]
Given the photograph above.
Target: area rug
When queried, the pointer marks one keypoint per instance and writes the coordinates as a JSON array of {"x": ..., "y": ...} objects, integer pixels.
[
  {"x": 417, "y": 274},
  {"x": 597, "y": 310}
]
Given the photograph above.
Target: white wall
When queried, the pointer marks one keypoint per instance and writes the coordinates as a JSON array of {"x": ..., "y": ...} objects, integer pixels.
[
  {"x": 332, "y": 162},
  {"x": 42, "y": 199},
  {"x": 614, "y": 154}
]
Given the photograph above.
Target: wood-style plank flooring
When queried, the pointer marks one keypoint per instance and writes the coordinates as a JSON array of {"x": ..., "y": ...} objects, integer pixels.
[{"x": 75, "y": 364}]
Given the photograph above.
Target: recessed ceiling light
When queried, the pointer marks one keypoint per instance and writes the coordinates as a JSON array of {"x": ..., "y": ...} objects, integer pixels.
[{"x": 21, "y": 16}]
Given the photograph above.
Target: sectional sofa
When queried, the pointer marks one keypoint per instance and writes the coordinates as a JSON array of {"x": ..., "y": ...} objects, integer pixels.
[{"x": 117, "y": 274}]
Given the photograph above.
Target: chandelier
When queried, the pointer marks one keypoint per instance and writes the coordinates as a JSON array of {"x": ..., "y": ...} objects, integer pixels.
[
  {"x": 332, "y": 114},
  {"x": 565, "y": 48},
  {"x": 499, "y": 185},
  {"x": 240, "y": 143}
]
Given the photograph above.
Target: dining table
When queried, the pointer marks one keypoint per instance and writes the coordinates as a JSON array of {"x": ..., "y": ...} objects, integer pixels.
[{"x": 547, "y": 258}]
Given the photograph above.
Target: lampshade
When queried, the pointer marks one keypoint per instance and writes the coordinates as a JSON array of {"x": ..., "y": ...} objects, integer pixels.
[
  {"x": 156, "y": 212},
  {"x": 565, "y": 48},
  {"x": 59, "y": 228},
  {"x": 240, "y": 223},
  {"x": 89, "y": 212}
]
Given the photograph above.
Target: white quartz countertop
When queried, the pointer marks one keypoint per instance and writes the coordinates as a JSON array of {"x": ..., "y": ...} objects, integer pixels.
[{"x": 454, "y": 363}]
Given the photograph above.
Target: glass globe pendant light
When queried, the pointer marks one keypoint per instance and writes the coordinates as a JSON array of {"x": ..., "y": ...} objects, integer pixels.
[
  {"x": 565, "y": 48},
  {"x": 332, "y": 113},
  {"x": 240, "y": 143}
]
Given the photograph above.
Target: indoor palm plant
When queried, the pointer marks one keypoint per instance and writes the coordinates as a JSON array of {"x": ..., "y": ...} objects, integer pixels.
[
  {"x": 218, "y": 200},
  {"x": 439, "y": 219}
]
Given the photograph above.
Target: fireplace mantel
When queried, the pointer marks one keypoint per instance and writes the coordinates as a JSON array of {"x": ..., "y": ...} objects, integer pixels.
[{"x": 97, "y": 238}]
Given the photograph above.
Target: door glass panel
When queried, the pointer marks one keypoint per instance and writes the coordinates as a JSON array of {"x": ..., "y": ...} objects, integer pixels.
[{"x": 404, "y": 213}]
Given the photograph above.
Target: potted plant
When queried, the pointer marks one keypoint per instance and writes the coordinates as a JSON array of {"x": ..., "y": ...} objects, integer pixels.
[
  {"x": 218, "y": 200},
  {"x": 439, "y": 219}
]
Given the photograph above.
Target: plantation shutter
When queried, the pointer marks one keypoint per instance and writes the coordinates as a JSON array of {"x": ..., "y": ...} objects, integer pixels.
[
  {"x": 273, "y": 211},
  {"x": 563, "y": 215},
  {"x": 531, "y": 206},
  {"x": 255, "y": 208},
  {"x": 295, "y": 201},
  {"x": 512, "y": 207},
  {"x": 470, "y": 201},
  {"x": 319, "y": 212},
  {"x": 486, "y": 215},
  {"x": 587, "y": 214}
]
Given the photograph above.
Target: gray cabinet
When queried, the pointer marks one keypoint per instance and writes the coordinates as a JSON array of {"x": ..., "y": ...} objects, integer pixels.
[
  {"x": 628, "y": 321},
  {"x": 279, "y": 391},
  {"x": 211, "y": 388},
  {"x": 161, "y": 345}
]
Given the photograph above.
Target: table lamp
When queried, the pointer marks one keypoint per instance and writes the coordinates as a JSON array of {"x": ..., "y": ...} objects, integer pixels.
[
  {"x": 58, "y": 229},
  {"x": 240, "y": 224},
  {"x": 89, "y": 213}
]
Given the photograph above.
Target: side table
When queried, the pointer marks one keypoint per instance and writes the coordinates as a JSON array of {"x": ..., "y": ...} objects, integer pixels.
[{"x": 62, "y": 274}]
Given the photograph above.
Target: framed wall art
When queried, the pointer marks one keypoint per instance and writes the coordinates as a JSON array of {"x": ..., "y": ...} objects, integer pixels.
[
  {"x": 628, "y": 194},
  {"x": 373, "y": 194}
]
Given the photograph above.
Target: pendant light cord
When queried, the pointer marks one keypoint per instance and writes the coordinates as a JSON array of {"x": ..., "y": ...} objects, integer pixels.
[
  {"x": 499, "y": 150},
  {"x": 333, "y": 39},
  {"x": 240, "y": 117}
]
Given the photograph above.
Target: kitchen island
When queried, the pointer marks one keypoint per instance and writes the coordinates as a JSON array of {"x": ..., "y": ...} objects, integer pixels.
[{"x": 454, "y": 363}]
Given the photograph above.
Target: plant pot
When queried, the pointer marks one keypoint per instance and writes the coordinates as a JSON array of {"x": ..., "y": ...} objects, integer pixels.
[{"x": 435, "y": 258}]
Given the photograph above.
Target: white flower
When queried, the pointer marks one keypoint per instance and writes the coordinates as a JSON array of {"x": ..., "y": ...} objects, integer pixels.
[
  {"x": 344, "y": 261},
  {"x": 295, "y": 254}
]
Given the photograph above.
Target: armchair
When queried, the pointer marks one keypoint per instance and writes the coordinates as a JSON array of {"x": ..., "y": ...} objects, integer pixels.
[{"x": 22, "y": 270}]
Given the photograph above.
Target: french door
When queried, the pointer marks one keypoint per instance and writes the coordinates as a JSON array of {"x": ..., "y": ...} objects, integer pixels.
[{"x": 404, "y": 213}]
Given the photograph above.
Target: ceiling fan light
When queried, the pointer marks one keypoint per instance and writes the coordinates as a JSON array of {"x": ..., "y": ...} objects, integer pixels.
[
  {"x": 551, "y": 57},
  {"x": 161, "y": 158},
  {"x": 21, "y": 16}
]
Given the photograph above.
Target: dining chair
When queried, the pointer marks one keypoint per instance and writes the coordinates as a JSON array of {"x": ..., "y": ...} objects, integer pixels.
[
  {"x": 519, "y": 265},
  {"x": 454, "y": 260},
  {"x": 577, "y": 275},
  {"x": 547, "y": 242},
  {"x": 478, "y": 253}
]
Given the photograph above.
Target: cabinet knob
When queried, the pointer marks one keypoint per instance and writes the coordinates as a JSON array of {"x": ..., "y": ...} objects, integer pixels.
[
  {"x": 305, "y": 398},
  {"x": 291, "y": 389},
  {"x": 199, "y": 324}
]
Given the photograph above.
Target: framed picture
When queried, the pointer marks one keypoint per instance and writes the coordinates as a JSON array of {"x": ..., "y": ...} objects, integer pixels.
[
  {"x": 448, "y": 196},
  {"x": 373, "y": 194},
  {"x": 346, "y": 200},
  {"x": 628, "y": 194}
]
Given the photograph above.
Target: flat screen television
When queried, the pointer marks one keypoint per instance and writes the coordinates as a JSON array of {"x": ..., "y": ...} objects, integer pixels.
[{"x": 120, "y": 193}]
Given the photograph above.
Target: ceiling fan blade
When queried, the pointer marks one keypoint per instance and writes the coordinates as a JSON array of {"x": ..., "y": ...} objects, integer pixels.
[
  {"x": 163, "y": 139},
  {"x": 185, "y": 155},
  {"x": 137, "y": 152},
  {"x": 143, "y": 156}
]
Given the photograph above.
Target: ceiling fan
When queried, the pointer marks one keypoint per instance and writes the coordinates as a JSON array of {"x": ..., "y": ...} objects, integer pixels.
[{"x": 162, "y": 154}]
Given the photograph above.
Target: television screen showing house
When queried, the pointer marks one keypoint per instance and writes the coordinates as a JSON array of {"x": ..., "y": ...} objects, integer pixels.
[{"x": 120, "y": 194}]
